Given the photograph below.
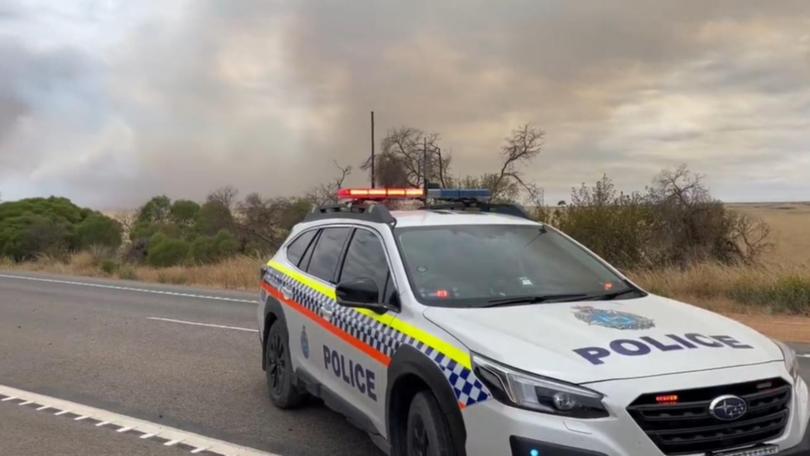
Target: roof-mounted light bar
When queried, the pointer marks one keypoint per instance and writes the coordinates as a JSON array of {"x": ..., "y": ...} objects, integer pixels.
[
  {"x": 441, "y": 194},
  {"x": 380, "y": 193}
]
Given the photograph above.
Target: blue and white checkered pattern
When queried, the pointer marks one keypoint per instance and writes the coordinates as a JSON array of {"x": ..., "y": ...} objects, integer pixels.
[{"x": 383, "y": 338}]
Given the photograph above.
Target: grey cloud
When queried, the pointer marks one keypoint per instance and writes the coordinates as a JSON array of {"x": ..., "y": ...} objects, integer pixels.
[{"x": 264, "y": 94}]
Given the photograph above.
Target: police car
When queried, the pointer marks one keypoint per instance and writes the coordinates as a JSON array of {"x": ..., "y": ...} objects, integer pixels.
[{"x": 466, "y": 328}]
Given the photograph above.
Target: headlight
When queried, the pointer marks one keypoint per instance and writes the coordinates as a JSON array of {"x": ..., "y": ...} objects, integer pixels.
[
  {"x": 529, "y": 391},
  {"x": 791, "y": 360}
]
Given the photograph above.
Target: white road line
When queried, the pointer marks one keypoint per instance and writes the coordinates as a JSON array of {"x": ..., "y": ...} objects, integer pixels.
[
  {"x": 24, "y": 403},
  {"x": 103, "y": 423},
  {"x": 81, "y": 418},
  {"x": 124, "y": 429},
  {"x": 172, "y": 442},
  {"x": 146, "y": 427},
  {"x": 62, "y": 412},
  {"x": 208, "y": 325},
  {"x": 10, "y": 398},
  {"x": 804, "y": 355},
  {"x": 146, "y": 436},
  {"x": 198, "y": 450},
  {"x": 134, "y": 289},
  {"x": 42, "y": 408}
]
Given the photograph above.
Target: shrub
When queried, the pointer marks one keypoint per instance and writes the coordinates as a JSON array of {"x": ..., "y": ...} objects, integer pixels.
[
  {"x": 98, "y": 230},
  {"x": 207, "y": 249},
  {"x": 53, "y": 226},
  {"x": 213, "y": 217},
  {"x": 676, "y": 223},
  {"x": 184, "y": 212},
  {"x": 109, "y": 266},
  {"x": 165, "y": 252}
]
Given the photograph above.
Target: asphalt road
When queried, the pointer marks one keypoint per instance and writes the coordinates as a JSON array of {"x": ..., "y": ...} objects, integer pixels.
[{"x": 102, "y": 347}]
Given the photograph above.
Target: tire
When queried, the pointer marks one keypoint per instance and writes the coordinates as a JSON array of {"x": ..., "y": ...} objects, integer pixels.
[
  {"x": 426, "y": 431},
  {"x": 280, "y": 377}
]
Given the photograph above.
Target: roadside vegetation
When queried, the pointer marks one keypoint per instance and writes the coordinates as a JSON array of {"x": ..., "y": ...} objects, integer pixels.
[{"x": 672, "y": 237}]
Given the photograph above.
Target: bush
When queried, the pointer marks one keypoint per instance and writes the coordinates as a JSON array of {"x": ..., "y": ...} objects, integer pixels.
[
  {"x": 97, "y": 230},
  {"x": 51, "y": 226},
  {"x": 676, "y": 223},
  {"x": 207, "y": 249},
  {"x": 109, "y": 267},
  {"x": 164, "y": 252}
]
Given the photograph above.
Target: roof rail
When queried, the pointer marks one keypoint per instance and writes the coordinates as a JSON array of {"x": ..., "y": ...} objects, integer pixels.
[
  {"x": 481, "y": 206},
  {"x": 369, "y": 212}
]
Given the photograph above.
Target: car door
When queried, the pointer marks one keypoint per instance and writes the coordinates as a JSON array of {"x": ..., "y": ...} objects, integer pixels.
[{"x": 365, "y": 382}]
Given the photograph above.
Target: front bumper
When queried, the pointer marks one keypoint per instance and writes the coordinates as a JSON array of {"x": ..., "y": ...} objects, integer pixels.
[
  {"x": 494, "y": 428},
  {"x": 802, "y": 449}
]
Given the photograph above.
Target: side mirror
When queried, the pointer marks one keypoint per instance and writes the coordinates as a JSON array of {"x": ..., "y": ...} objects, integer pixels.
[{"x": 362, "y": 293}]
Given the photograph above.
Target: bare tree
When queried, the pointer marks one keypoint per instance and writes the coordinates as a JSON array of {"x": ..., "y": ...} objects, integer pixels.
[
  {"x": 402, "y": 159},
  {"x": 226, "y": 196},
  {"x": 326, "y": 194},
  {"x": 525, "y": 143}
]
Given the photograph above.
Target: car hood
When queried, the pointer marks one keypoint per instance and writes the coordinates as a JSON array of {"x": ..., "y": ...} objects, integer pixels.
[{"x": 591, "y": 341}]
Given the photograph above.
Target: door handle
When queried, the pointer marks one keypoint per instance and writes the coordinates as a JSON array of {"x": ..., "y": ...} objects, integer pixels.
[{"x": 286, "y": 291}]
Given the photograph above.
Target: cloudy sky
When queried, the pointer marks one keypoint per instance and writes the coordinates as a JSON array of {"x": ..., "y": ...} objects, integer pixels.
[{"x": 112, "y": 101}]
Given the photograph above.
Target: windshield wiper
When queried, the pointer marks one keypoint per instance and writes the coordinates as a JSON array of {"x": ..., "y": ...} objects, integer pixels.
[
  {"x": 533, "y": 299},
  {"x": 611, "y": 295}
]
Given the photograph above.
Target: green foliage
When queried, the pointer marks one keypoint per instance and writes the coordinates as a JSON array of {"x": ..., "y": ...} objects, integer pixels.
[
  {"x": 211, "y": 249},
  {"x": 676, "y": 223},
  {"x": 98, "y": 230},
  {"x": 213, "y": 217},
  {"x": 156, "y": 210},
  {"x": 109, "y": 267},
  {"x": 165, "y": 252},
  {"x": 184, "y": 212},
  {"x": 53, "y": 226}
]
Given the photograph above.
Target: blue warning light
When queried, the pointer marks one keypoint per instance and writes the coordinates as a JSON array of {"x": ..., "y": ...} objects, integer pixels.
[
  {"x": 534, "y": 452},
  {"x": 480, "y": 194}
]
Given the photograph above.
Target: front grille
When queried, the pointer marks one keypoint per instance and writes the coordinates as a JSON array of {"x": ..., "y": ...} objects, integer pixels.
[{"x": 687, "y": 427}]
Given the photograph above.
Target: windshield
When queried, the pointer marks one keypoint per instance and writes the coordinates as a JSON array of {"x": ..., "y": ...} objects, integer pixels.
[{"x": 482, "y": 265}]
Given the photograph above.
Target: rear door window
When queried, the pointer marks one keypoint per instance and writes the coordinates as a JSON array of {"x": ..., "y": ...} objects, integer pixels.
[
  {"x": 297, "y": 247},
  {"x": 326, "y": 254}
]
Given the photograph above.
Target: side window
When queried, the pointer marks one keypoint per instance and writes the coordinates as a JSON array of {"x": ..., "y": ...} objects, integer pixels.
[
  {"x": 326, "y": 254},
  {"x": 365, "y": 258},
  {"x": 297, "y": 247},
  {"x": 304, "y": 263}
]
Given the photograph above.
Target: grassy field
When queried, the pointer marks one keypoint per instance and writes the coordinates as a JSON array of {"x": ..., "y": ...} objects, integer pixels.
[{"x": 773, "y": 297}]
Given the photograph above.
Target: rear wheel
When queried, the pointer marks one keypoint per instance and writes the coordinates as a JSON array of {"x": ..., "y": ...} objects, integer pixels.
[
  {"x": 280, "y": 379},
  {"x": 427, "y": 432}
]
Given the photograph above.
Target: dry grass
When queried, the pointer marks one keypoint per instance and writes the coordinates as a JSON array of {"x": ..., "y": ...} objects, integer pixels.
[{"x": 239, "y": 273}]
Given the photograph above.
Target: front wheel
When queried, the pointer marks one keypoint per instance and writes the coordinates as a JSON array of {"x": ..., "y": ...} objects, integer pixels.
[
  {"x": 280, "y": 378},
  {"x": 427, "y": 433}
]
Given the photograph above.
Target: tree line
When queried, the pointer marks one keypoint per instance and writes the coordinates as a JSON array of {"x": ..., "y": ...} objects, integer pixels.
[{"x": 673, "y": 221}]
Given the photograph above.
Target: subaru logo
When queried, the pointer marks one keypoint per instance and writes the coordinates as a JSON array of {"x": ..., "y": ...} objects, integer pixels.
[{"x": 728, "y": 408}]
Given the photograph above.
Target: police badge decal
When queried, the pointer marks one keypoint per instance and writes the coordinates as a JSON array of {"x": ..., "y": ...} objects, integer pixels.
[{"x": 612, "y": 318}]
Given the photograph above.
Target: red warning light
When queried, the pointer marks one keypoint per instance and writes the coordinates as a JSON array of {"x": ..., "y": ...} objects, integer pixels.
[
  {"x": 442, "y": 294},
  {"x": 667, "y": 399},
  {"x": 608, "y": 286},
  {"x": 380, "y": 193}
]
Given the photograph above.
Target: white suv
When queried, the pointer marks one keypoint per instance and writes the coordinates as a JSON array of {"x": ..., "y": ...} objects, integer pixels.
[{"x": 446, "y": 331}]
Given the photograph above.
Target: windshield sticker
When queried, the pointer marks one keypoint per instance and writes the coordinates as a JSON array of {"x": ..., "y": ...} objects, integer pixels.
[{"x": 612, "y": 318}]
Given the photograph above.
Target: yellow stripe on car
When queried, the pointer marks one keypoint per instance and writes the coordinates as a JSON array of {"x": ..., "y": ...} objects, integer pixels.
[{"x": 458, "y": 355}]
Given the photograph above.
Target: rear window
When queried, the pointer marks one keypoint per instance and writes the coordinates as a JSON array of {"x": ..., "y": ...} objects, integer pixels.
[
  {"x": 297, "y": 247},
  {"x": 326, "y": 254}
]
